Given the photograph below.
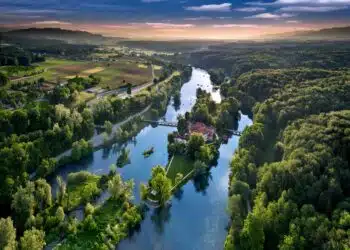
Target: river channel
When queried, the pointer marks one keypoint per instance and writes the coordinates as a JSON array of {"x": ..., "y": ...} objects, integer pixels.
[{"x": 197, "y": 217}]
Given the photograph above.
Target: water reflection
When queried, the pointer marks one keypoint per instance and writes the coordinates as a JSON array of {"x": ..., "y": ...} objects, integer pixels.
[
  {"x": 160, "y": 217},
  {"x": 197, "y": 217},
  {"x": 178, "y": 194},
  {"x": 201, "y": 182}
]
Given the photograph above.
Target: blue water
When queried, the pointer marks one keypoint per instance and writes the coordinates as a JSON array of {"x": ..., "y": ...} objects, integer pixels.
[{"x": 197, "y": 217}]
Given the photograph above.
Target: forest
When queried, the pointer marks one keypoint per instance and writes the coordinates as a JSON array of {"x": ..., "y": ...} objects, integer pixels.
[{"x": 289, "y": 180}]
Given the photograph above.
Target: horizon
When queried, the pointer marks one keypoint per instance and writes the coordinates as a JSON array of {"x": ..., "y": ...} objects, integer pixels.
[{"x": 180, "y": 20}]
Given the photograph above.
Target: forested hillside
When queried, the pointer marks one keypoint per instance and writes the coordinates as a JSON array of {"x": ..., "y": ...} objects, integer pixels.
[
  {"x": 289, "y": 182},
  {"x": 238, "y": 58}
]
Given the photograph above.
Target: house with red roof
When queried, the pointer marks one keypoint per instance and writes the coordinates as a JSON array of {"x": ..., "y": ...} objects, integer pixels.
[{"x": 208, "y": 132}]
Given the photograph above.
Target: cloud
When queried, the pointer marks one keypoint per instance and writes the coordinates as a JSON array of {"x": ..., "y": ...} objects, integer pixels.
[
  {"x": 298, "y": 2},
  {"x": 251, "y": 9},
  {"x": 224, "y": 17},
  {"x": 32, "y": 11},
  {"x": 293, "y": 21},
  {"x": 169, "y": 25},
  {"x": 16, "y": 16},
  {"x": 233, "y": 25},
  {"x": 270, "y": 16},
  {"x": 211, "y": 7},
  {"x": 52, "y": 23},
  {"x": 312, "y": 8},
  {"x": 198, "y": 18},
  {"x": 313, "y": 2}
]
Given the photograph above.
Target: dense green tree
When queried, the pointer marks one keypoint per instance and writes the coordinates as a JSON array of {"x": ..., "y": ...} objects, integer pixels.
[
  {"x": 3, "y": 79},
  {"x": 108, "y": 126},
  {"x": 182, "y": 125},
  {"x": 33, "y": 239},
  {"x": 217, "y": 76},
  {"x": 60, "y": 214},
  {"x": 24, "y": 203},
  {"x": 200, "y": 167},
  {"x": 42, "y": 194},
  {"x": 89, "y": 209},
  {"x": 19, "y": 120},
  {"x": 252, "y": 235},
  {"x": 115, "y": 186},
  {"x": 160, "y": 184},
  {"x": 61, "y": 190},
  {"x": 7, "y": 234},
  {"x": 195, "y": 142}
]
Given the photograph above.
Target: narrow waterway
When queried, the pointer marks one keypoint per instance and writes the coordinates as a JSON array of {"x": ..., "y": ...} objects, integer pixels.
[{"x": 197, "y": 216}]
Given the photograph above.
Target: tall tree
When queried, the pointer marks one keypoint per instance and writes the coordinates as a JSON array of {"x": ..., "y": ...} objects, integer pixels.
[
  {"x": 161, "y": 184},
  {"x": 61, "y": 191},
  {"x": 24, "y": 203},
  {"x": 43, "y": 194},
  {"x": 7, "y": 234}
]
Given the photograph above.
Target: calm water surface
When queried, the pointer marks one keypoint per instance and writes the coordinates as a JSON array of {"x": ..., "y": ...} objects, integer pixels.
[{"x": 197, "y": 216}]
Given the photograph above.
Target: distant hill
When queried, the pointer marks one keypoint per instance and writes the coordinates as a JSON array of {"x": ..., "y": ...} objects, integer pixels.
[
  {"x": 336, "y": 33},
  {"x": 69, "y": 36}
]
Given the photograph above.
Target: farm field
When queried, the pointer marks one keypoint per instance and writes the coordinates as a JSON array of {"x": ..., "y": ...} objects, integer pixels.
[
  {"x": 119, "y": 73},
  {"x": 113, "y": 74}
]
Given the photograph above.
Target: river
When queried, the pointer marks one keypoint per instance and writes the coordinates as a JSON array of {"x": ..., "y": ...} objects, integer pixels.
[{"x": 197, "y": 217}]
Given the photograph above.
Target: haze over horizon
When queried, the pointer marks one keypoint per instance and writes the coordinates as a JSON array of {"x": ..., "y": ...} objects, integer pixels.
[{"x": 169, "y": 19}]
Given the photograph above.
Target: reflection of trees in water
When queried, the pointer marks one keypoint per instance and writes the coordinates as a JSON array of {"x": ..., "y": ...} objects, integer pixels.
[
  {"x": 160, "y": 217},
  {"x": 201, "y": 182},
  {"x": 105, "y": 152},
  {"x": 178, "y": 194},
  {"x": 137, "y": 229},
  {"x": 177, "y": 101},
  {"x": 236, "y": 124},
  {"x": 87, "y": 160}
]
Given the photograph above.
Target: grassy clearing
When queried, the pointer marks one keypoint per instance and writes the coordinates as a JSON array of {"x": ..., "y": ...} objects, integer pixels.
[{"x": 180, "y": 164}]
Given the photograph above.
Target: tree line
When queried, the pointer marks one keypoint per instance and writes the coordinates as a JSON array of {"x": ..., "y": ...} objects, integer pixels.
[{"x": 289, "y": 178}]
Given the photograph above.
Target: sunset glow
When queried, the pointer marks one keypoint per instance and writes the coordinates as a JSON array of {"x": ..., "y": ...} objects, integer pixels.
[{"x": 193, "y": 19}]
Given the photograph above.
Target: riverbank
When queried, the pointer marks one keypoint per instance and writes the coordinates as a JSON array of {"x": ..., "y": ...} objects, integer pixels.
[
  {"x": 199, "y": 205},
  {"x": 98, "y": 140}
]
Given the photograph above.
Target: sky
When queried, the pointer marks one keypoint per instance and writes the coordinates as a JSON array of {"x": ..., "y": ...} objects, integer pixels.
[{"x": 177, "y": 19}]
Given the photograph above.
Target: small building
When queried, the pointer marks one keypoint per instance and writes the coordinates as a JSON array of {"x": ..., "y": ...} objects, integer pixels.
[{"x": 208, "y": 132}]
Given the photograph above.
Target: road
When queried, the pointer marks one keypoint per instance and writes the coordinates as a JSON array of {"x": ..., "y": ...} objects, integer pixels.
[
  {"x": 98, "y": 140},
  {"x": 134, "y": 91},
  {"x": 121, "y": 93}
]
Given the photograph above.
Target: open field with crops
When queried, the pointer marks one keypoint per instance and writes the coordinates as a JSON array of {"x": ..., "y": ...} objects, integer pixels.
[{"x": 112, "y": 74}]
